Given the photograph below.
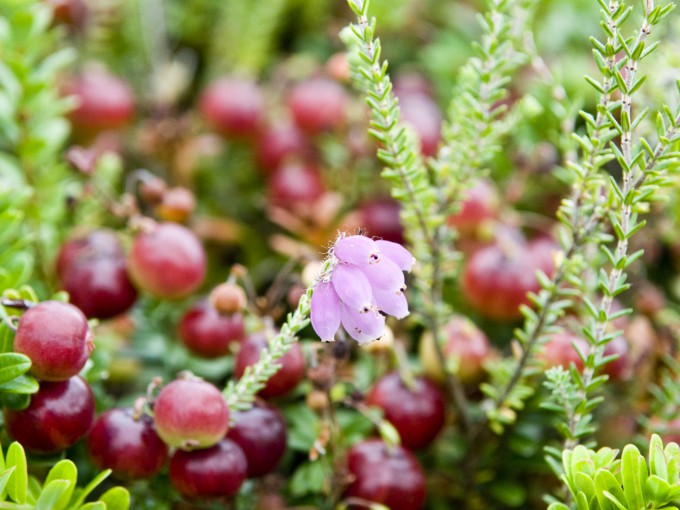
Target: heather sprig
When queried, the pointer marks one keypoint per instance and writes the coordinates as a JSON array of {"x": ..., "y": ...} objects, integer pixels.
[{"x": 587, "y": 214}]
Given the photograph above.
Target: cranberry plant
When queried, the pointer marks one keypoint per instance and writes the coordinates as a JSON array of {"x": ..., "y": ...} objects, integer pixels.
[{"x": 247, "y": 264}]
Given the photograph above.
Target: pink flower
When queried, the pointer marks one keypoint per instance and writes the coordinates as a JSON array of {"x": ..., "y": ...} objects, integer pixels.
[{"x": 365, "y": 284}]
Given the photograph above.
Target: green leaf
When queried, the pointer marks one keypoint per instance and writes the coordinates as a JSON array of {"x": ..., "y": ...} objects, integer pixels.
[
  {"x": 308, "y": 479},
  {"x": 90, "y": 487},
  {"x": 657, "y": 490},
  {"x": 52, "y": 495},
  {"x": 606, "y": 483},
  {"x": 12, "y": 365},
  {"x": 95, "y": 505},
  {"x": 633, "y": 475},
  {"x": 17, "y": 486},
  {"x": 22, "y": 385},
  {"x": 657, "y": 458},
  {"x": 64, "y": 470},
  {"x": 116, "y": 498},
  {"x": 4, "y": 478},
  {"x": 672, "y": 453}
]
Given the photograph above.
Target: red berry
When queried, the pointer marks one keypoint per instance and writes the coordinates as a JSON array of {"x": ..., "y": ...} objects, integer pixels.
[
  {"x": 261, "y": 434},
  {"x": 59, "y": 414},
  {"x": 290, "y": 374},
  {"x": 391, "y": 476},
  {"x": 496, "y": 280},
  {"x": 295, "y": 183},
  {"x": 318, "y": 104},
  {"x": 127, "y": 445},
  {"x": 208, "y": 334},
  {"x": 424, "y": 116},
  {"x": 559, "y": 351},
  {"x": 417, "y": 413},
  {"x": 190, "y": 414},
  {"x": 479, "y": 203},
  {"x": 69, "y": 12},
  {"x": 93, "y": 271},
  {"x": 56, "y": 337},
  {"x": 619, "y": 369},
  {"x": 216, "y": 472},
  {"x": 279, "y": 143},
  {"x": 234, "y": 107},
  {"x": 104, "y": 101},
  {"x": 465, "y": 346},
  {"x": 168, "y": 261}
]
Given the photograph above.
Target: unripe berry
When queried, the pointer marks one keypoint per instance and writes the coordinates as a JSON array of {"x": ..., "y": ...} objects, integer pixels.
[
  {"x": 191, "y": 414},
  {"x": 228, "y": 298},
  {"x": 57, "y": 339}
]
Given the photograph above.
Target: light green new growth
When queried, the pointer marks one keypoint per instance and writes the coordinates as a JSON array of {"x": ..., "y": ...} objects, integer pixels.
[{"x": 599, "y": 480}]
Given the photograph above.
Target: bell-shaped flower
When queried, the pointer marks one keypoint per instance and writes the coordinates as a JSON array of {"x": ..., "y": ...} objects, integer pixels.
[{"x": 365, "y": 284}]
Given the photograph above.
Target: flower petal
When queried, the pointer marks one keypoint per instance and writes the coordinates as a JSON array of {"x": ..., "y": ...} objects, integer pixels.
[
  {"x": 397, "y": 254},
  {"x": 356, "y": 250},
  {"x": 384, "y": 274},
  {"x": 325, "y": 311},
  {"x": 352, "y": 286},
  {"x": 363, "y": 326},
  {"x": 391, "y": 302}
]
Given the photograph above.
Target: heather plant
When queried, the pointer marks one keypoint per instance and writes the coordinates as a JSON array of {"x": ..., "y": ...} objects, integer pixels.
[{"x": 310, "y": 286}]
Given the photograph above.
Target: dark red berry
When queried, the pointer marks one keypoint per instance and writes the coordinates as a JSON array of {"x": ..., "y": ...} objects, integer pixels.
[
  {"x": 381, "y": 219},
  {"x": 191, "y": 414},
  {"x": 93, "y": 271},
  {"x": 56, "y": 337},
  {"x": 69, "y": 12},
  {"x": 261, "y": 434},
  {"x": 290, "y": 374},
  {"x": 318, "y": 104},
  {"x": 208, "y": 334},
  {"x": 497, "y": 278},
  {"x": 417, "y": 413},
  {"x": 127, "y": 445},
  {"x": 216, "y": 472},
  {"x": 295, "y": 184},
  {"x": 104, "y": 101},
  {"x": 234, "y": 107},
  {"x": 167, "y": 261},
  {"x": 391, "y": 476},
  {"x": 59, "y": 414}
]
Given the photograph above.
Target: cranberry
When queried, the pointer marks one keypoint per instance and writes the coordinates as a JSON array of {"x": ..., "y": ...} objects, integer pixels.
[
  {"x": 168, "y": 261},
  {"x": 479, "y": 203},
  {"x": 208, "y": 334},
  {"x": 295, "y": 183},
  {"x": 380, "y": 218},
  {"x": 417, "y": 413},
  {"x": 292, "y": 369},
  {"x": 391, "y": 476},
  {"x": 497, "y": 278},
  {"x": 234, "y": 107},
  {"x": 104, "y": 101},
  {"x": 126, "y": 444},
  {"x": 191, "y": 413},
  {"x": 93, "y": 271},
  {"x": 465, "y": 346},
  {"x": 619, "y": 369},
  {"x": 559, "y": 351},
  {"x": 69, "y": 12},
  {"x": 424, "y": 116},
  {"x": 318, "y": 104},
  {"x": 411, "y": 83},
  {"x": 56, "y": 337},
  {"x": 261, "y": 434},
  {"x": 216, "y": 472},
  {"x": 279, "y": 143},
  {"x": 59, "y": 414}
]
